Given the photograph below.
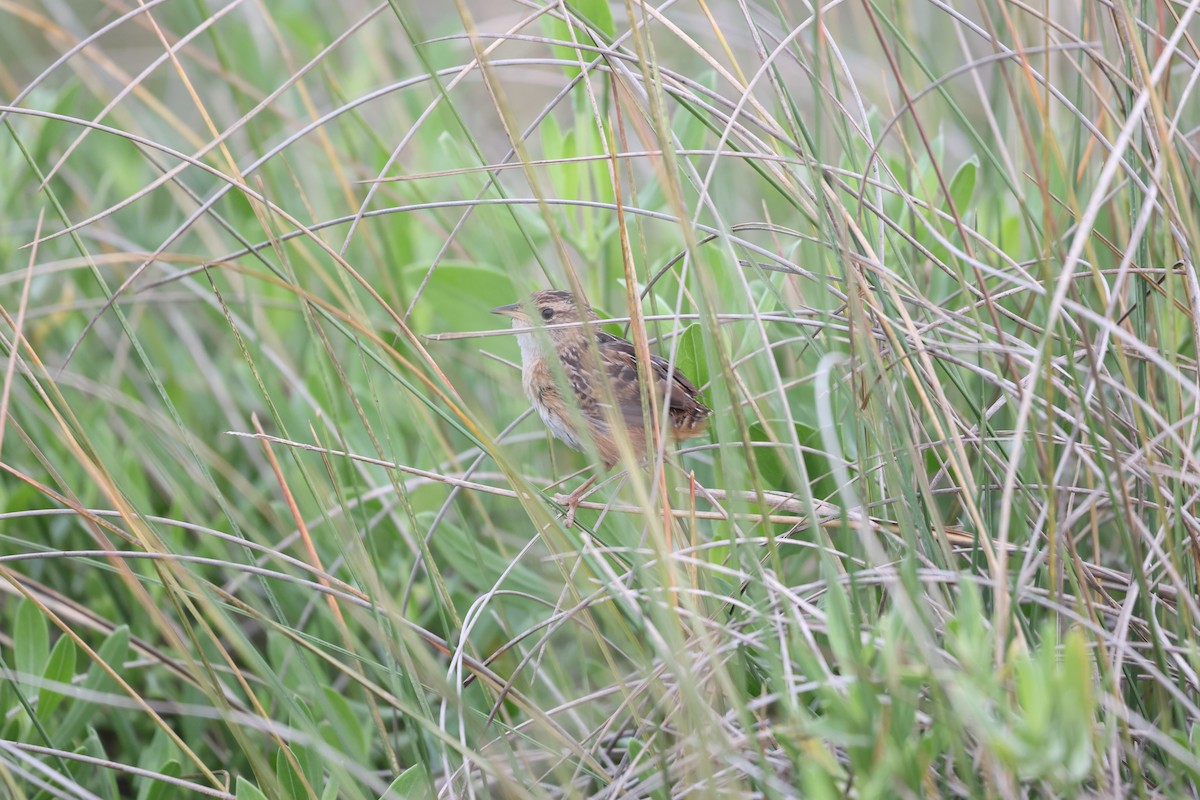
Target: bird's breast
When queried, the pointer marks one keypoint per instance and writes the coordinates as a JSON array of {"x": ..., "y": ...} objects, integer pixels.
[{"x": 538, "y": 380}]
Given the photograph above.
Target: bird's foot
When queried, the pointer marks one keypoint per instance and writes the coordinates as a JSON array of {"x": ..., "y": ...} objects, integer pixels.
[{"x": 571, "y": 501}]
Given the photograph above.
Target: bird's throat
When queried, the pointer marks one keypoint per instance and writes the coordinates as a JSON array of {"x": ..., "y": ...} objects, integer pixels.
[{"x": 527, "y": 340}]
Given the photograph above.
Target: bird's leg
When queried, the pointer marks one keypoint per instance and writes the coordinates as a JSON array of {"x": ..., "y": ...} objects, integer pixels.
[{"x": 572, "y": 500}]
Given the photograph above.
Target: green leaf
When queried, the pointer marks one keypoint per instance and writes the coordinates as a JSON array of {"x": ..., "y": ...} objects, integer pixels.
[
  {"x": 1009, "y": 237},
  {"x": 818, "y": 782},
  {"x": 93, "y": 746},
  {"x": 412, "y": 783},
  {"x": 31, "y": 639},
  {"x": 1078, "y": 680},
  {"x": 311, "y": 769},
  {"x": 598, "y": 14},
  {"x": 570, "y": 175},
  {"x": 458, "y": 296},
  {"x": 160, "y": 790},
  {"x": 288, "y": 778},
  {"x": 51, "y": 134},
  {"x": 112, "y": 652},
  {"x": 1078, "y": 717},
  {"x": 635, "y": 747},
  {"x": 552, "y": 138},
  {"x": 60, "y": 668},
  {"x": 310, "y": 765},
  {"x": 842, "y": 632},
  {"x": 248, "y": 791},
  {"x": 962, "y": 185},
  {"x": 776, "y": 463},
  {"x": 475, "y": 559},
  {"x": 557, "y": 30},
  {"x": 353, "y": 735},
  {"x": 11, "y": 726},
  {"x": 689, "y": 358},
  {"x": 553, "y": 145}
]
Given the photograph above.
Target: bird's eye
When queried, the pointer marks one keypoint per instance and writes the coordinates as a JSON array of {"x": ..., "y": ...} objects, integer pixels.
[{"x": 547, "y": 314}]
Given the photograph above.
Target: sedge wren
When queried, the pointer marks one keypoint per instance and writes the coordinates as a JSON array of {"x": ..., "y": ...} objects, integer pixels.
[{"x": 602, "y": 382}]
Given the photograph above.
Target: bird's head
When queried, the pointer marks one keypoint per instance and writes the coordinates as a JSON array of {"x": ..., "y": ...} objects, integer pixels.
[{"x": 549, "y": 308}]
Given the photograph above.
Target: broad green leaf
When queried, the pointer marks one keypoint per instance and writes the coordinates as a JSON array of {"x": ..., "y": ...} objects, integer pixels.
[
  {"x": 570, "y": 176},
  {"x": 553, "y": 149},
  {"x": 776, "y": 463},
  {"x": 160, "y": 790},
  {"x": 31, "y": 639},
  {"x": 93, "y": 746},
  {"x": 59, "y": 668},
  {"x": 689, "y": 358},
  {"x": 51, "y": 135},
  {"x": 10, "y": 726},
  {"x": 289, "y": 779},
  {"x": 306, "y": 756},
  {"x": 458, "y": 296},
  {"x": 635, "y": 747},
  {"x": 310, "y": 764},
  {"x": 818, "y": 783},
  {"x": 113, "y": 651},
  {"x": 557, "y": 30},
  {"x": 842, "y": 632},
  {"x": 552, "y": 138},
  {"x": 962, "y": 185},
  {"x": 354, "y": 737},
  {"x": 1077, "y": 671},
  {"x": 598, "y": 14},
  {"x": 248, "y": 791},
  {"x": 412, "y": 784},
  {"x": 476, "y": 560}
]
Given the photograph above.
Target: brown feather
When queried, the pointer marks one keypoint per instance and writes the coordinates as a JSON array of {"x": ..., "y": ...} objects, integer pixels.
[{"x": 617, "y": 368}]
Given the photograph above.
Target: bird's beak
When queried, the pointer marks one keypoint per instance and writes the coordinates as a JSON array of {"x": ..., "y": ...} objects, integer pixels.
[{"x": 510, "y": 310}]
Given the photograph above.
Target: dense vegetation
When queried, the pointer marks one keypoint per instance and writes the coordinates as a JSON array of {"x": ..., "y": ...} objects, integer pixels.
[{"x": 274, "y": 521}]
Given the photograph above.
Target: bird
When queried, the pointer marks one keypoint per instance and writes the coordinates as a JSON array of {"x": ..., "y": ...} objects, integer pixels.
[{"x": 603, "y": 399}]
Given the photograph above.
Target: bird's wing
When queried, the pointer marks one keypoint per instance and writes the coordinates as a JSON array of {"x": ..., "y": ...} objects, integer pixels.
[{"x": 620, "y": 363}]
